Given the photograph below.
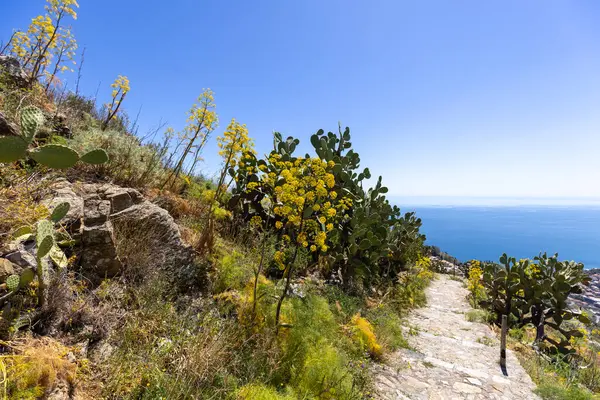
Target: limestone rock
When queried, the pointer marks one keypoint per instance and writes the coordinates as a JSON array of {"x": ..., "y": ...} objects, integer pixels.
[{"x": 109, "y": 214}]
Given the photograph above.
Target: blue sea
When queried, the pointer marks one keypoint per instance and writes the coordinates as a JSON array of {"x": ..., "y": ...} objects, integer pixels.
[{"x": 484, "y": 233}]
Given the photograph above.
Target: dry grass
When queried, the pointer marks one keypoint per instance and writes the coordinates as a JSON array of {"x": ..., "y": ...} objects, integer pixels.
[
  {"x": 36, "y": 367},
  {"x": 19, "y": 204}
]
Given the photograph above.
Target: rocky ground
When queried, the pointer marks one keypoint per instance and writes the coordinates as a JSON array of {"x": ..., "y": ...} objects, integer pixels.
[
  {"x": 450, "y": 357},
  {"x": 590, "y": 298}
]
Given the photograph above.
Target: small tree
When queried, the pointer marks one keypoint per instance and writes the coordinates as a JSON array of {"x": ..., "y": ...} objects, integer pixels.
[{"x": 120, "y": 89}]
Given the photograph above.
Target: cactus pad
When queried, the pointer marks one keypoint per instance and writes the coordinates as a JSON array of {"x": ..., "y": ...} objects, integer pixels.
[
  {"x": 55, "y": 156},
  {"x": 98, "y": 156},
  {"x": 12, "y": 282},
  {"x": 60, "y": 211},
  {"x": 45, "y": 246},
  {"x": 44, "y": 237},
  {"x": 27, "y": 277},
  {"x": 58, "y": 257},
  {"x": 12, "y": 148},
  {"x": 32, "y": 119}
]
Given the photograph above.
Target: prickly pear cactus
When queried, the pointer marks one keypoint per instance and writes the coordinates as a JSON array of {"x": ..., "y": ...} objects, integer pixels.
[
  {"x": 55, "y": 156},
  {"x": 60, "y": 211},
  {"x": 12, "y": 283},
  {"x": 31, "y": 120},
  {"x": 95, "y": 157},
  {"x": 13, "y": 148}
]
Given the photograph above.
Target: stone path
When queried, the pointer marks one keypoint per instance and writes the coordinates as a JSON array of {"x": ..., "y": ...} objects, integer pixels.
[{"x": 450, "y": 357}]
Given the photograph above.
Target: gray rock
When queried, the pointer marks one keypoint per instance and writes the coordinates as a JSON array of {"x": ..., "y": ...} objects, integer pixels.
[
  {"x": 22, "y": 257},
  {"x": 62, "y": 191},
  {"x": 12, "y": 67},
  {"x": 109, "y": 214},
  {"x": 99, "y": 256},
  {"x": 6, "y": 127}
]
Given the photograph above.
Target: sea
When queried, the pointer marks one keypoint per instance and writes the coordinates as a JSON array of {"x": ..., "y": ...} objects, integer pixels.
[{"x": 523, "y": 231}]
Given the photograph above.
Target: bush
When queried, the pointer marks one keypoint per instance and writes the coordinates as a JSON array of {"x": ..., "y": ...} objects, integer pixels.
[
  {"x": 324, "y": 374},
  {"x": 364, "y": 335},
  {"x": 233, "y": 271},
  {"x": 388, "y": 327},
  {"x": 131, "y": 163},
  {"x": 261, "y": 392}
]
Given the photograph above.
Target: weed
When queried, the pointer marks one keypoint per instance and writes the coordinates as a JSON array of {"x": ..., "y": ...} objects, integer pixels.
[{"x": 478, "y": 315}]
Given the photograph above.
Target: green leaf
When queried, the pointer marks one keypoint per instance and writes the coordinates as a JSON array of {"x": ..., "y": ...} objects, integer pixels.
[
  {"x": 364, "y": 244},
  {"x": 98, "y": 156},
  {"x": 60, "y": 211},
  {"x": 12, "y": 148},
  {"x": 55, "y": 156}
]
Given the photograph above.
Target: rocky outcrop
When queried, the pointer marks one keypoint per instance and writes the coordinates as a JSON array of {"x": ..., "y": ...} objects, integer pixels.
[
  {"x": 6, "y": 127},
  {"x": 11, "y": 66},
  {"x": 103, "y": 215}
]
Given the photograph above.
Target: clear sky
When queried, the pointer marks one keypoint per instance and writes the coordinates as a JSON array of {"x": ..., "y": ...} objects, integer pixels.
[{"x": 444, "y": 98}]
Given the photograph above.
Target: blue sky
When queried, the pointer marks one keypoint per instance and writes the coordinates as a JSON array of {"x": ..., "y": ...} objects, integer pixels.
[{"x": 444, "y": 98}]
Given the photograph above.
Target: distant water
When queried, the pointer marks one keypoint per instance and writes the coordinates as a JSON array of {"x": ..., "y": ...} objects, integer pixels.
[{"x": 484, "y": 233}]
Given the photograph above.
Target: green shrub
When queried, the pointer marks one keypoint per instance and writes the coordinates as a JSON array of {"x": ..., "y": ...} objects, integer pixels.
[
  {"x": 131, "y": 163},
  {"x": 388, "y": 327},
  {"x": 478, "y": 316},
  {"x": 324, "y": 374},
  {"x": 261, "y": 392},
  {"x": 233, "y": 271}
]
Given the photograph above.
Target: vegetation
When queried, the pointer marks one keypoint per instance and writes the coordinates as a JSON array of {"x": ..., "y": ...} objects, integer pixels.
[
  {"x": 303, "y": 272},
  {"x": 560, "y": 351}
]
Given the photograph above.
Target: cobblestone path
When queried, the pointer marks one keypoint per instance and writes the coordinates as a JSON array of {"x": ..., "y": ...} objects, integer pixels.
[{"x": 450, "y": 357}]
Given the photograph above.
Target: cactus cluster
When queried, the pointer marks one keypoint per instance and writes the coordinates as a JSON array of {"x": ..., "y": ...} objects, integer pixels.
[
  {"x": 536, "y": 292},
  {"x": 13, "y": 148},
  {"x": 47, "y": 246},
  {"x": 372, "y": 242}
]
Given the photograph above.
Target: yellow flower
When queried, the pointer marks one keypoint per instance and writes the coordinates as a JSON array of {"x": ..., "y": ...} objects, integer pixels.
[
  {"x": 278, "y": 224},
  {"x": 304, "y": 244},
  {"x": 329, "y": 226},
  {"x": 322, "y": 220},
  {"x": 256, "y": 220},
  {"x": 313, "y": 248}
]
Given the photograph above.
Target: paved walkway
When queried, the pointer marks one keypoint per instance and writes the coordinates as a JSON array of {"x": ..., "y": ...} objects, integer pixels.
[{"x": 450, "y": 357}]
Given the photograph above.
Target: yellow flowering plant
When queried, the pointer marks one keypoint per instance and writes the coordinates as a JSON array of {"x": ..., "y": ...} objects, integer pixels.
[
  {"x": 46, "y": 42},
  {"x": 233, "y": 144},
  {"x": 202, "y": 121},
  {"x": 120, "y": 88}
]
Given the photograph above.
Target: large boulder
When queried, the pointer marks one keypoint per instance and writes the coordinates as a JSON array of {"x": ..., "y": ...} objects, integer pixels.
[{"x": 110, "y": 218}]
